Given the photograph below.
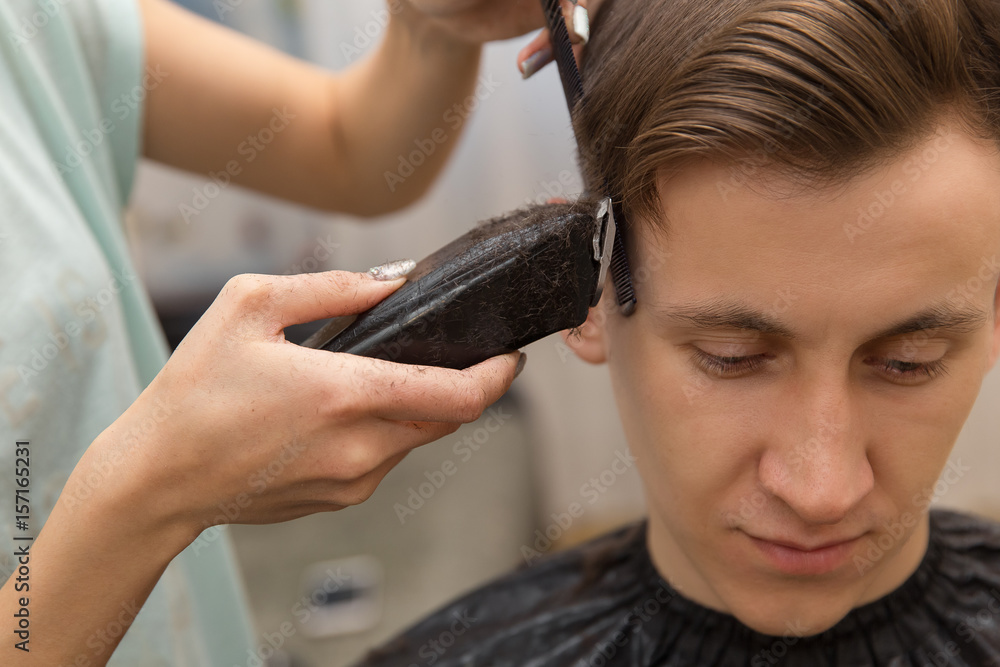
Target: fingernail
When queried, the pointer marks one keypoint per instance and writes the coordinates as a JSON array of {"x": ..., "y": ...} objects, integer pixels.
[
  {"x": 581, "y": 23},
  {"x": 535, "y": 62},
  {"x": 520, "y": 365},
  {"x": 392, "y": 270}
]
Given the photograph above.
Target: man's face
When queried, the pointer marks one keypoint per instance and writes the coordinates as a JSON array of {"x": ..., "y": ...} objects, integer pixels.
[{"x": 797, "y": 371}]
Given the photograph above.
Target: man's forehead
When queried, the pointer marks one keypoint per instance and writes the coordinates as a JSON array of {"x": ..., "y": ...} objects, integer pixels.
[
  {"x": 944, "y": 189},
  {"x": 911, "y": 232}
]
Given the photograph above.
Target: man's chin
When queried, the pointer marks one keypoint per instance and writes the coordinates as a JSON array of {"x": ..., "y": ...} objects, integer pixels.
[
  {"x": 775, "y": 602},
  {"x": 792, "y": 619}
]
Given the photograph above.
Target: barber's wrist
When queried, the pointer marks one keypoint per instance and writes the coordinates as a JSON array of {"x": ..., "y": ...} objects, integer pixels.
[{"x": 118, "y": 486}]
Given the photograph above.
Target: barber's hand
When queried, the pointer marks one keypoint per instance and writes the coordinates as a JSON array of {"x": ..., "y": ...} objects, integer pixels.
[
  {"x": 538, "y": 53},
  {"x": 268, "y": 430},
  {"x": 484, "y": 20}
]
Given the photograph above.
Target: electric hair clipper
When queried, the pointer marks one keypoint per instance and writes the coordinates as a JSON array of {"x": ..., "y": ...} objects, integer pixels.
[{"x": 506, "y": 283}]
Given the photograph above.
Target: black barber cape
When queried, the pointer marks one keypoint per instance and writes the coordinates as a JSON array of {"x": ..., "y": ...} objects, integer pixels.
[{"x": 604, "y": 605}]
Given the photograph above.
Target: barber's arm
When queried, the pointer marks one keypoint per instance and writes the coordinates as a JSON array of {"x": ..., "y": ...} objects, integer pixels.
[
  {"x": 234, "y": 398},
  {"x": 332, "y": 137}
]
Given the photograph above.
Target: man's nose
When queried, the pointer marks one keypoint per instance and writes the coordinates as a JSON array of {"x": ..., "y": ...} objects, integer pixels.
[{"x": 817, "y": 460}]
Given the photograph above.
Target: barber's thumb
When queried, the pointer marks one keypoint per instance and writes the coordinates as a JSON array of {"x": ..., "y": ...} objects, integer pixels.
[{"x": 317, "y": 296}]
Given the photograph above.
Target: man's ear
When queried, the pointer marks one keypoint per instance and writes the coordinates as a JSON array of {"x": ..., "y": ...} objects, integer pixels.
[{"x": 587, "y": 340}]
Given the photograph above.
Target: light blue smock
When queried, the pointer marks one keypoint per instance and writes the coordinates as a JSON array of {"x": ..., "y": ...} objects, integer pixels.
[{"x": 78, "y": 336}]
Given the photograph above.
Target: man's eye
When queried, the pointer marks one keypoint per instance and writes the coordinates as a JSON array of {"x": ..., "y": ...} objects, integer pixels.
[
  {"x": 896, "y": 370},
  {"x": 729, "y": 367},
  {"x": 907, "y": 372}
]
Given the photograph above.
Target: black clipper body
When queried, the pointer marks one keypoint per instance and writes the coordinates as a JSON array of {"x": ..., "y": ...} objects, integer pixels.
[{"x": 504, "y": 284}]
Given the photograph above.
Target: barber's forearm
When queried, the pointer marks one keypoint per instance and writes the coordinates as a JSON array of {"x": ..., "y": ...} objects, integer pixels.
[
  {"x": 90, "y": 570},
  {"x": 238, "y": 111},
  {"x": 399, "y": 114}
]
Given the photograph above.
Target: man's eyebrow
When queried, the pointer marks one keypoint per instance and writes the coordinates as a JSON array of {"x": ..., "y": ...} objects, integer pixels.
[
  {"x": 726, "y": 315},
  {"x": 942, "y": 317}
]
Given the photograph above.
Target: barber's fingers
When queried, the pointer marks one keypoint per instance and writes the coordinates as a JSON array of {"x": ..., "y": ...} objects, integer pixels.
[
  {"x": 411, "y": 393},
  {"x": 346, "y": 471},
  {"x": 536, "y": 55},
  {"x": 330, "y": 495},
  {"x": 577, "y": 21},
  {"x": 445, "y": 395},
  {"x": 362, "y": 489},
  {"x": 324, "y": 494},
  {"x": 281, "y": 301}
]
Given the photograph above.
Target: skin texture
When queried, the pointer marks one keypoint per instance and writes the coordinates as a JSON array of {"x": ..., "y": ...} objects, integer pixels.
[
  {"x": 235, "y": 396},
  {"x": 833, "y": 433}
]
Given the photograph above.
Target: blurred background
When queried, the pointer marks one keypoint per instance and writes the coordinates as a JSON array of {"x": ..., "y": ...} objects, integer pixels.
[{"x": 458, "y": 512}]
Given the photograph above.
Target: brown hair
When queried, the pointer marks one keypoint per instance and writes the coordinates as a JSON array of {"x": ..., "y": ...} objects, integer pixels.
[{"x": 820, "y": 89}]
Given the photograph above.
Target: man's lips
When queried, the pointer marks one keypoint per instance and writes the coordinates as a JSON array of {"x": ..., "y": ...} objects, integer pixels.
[
  {"x": 802, "y": 557},
  {"x": 805, "y": 545}
]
